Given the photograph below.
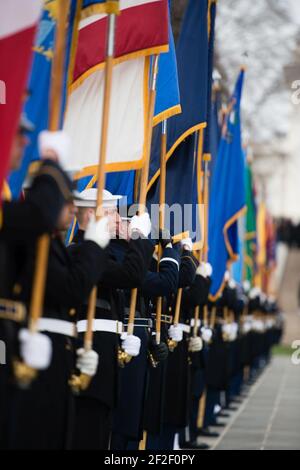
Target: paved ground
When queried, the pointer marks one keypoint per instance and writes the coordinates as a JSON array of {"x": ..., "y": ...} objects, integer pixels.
[{"x": 269, "y": 418}]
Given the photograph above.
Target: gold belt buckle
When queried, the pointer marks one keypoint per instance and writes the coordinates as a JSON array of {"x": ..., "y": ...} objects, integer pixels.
[{"x": 11, "y": 310}]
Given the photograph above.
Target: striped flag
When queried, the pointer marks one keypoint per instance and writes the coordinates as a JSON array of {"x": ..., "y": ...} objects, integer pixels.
[
  {"x": 18, "y": 21},
  {"x": 142, "y": 30}
]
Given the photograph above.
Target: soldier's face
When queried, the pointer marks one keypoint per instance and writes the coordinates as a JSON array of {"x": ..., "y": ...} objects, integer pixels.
[
  {"x": 114, "y": 220},
  {"x": 66, "y": 217},
  {"x": 19, "y": 143},
  {"x": 124, "y": 230}
]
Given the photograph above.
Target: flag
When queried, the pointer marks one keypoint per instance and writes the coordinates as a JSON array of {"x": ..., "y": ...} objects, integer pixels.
[
  {"x": 228, "y": 198},
  {"x": 167, "y": 104},
  {"x": 180, "y": 214},
  {"x": 37, "y": 104},
  {"x": 237, "y": 270},
  {"x": 261, "y": 236},
  {"x": 92, "y": 7},
  {"x": 182, "y": 136},
  {"x": 266, "y": 247},
  {"x": 192, "y": 63},
  {"x": 250, "y": 228},
  {"x": 18, "y": 24},
  {"x": 215, "y": 126},
  {"x": 142, "y": 30},
  {"x": 167, "y": 101},
  {"x": 211, "y": 42}
]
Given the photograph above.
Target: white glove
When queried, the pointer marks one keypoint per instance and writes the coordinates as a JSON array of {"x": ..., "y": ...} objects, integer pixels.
[
  {"x": 258, "y": 326},
  {"x": 206, "y": 334},
  {"x": 246, "y": 286},
  {"x": 87, "y": 362},
  {"x": 226, "y": 276},
  {"x": 175, "y": 333},
  {"x": 201, "y": 270},
  {"x": 36, "y": 349},
  {"x": 98, "y": 232},
  {"x": 55, "y": 145},
  {"x": 209, "y": 269},
  {"x": 234, "y": 331},
  {"x": 232, "y": 284},
  {"x": 226, "y": 329},
  {"x": 131, "y": 344},
  {"x": 187, "y": 243},
  {"x": 247, "y": 326},
  {"x": 204, "y": 269},
  {"x": 195, "y": 344},
  {"x": 141, "y": 223},
  {"x": 254, "y": 292}
]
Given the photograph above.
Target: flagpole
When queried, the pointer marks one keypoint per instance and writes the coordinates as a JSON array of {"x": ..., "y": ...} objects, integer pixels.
[
  {"x": 82, "y": 381},
  {"x": 200, "y": 202},
  {"x": 24, "y": 373},
  {"x": 162, "y": 197},
  {"x": 204, "y": 257},
  {"x": 123, "y": 356}
]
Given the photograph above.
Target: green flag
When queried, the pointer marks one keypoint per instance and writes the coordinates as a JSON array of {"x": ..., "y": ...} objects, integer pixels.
[{"x": 250, "y": 232}]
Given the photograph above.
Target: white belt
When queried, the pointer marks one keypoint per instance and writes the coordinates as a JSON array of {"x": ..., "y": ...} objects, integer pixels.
[
  {"x": 193, "y": 322},
  {"x": 185, "y": 328},
  {"x": 60, "y": 327},
  {"x": 110, "y": 326}
]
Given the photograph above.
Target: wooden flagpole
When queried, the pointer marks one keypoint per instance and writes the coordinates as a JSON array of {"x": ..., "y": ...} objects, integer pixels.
[
  {"x": 25, "y": 374},
  {"x": 162, "y": 197},
  {"x": 200, "y": 202},
  {"x": 204, "y": 257},
  {"x": 82, "y": 381}
]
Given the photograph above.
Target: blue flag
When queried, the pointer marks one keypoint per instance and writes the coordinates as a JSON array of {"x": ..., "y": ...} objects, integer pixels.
[
  {"x": 181, "y": 184},
  {"x": 228, "y": 197},
  {"x": 37, "y": 105},
  {"x": 167, "y": 101},
  {"x": 192, "y": 63},
  {"x": 211, "y": 43}
]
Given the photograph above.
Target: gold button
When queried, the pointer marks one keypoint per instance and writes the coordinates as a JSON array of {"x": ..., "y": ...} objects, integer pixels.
[
  {"x": 17, "y": 289},
  {"x": 72, "y": 312}
]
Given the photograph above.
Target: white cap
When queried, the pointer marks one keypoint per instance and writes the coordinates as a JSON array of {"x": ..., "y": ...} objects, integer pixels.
[
  {"x": 58, "y": 141},
  {"x": 88, "y": 198}
]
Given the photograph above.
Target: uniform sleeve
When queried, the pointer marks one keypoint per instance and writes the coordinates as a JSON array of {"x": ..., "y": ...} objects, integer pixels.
[
  {"x": 197, "y": 293},
  {"x": 188, "y": 267},
  {"x": 70, "y": 285},
  {"x": 39, "y": 212},
  {"x": 131, "y": 272},
  {"x": 164, "y": 282}
]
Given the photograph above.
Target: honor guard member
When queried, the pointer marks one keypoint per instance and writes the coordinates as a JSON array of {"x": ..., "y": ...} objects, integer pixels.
[
  {"x": 20, "y": 225},
  {"x": 128, "y": 416},
  {"x": 218, "y": 358},
  {"x": 178, "y": 383},
  {"x": 40, "y": 414},
  {"x": 155, "y": 403},
  {"x": 94, "y": 407},
  {"x": 198, "y": 295}
]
